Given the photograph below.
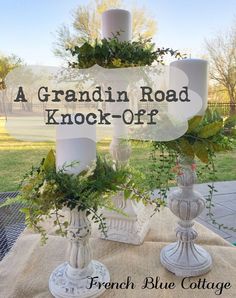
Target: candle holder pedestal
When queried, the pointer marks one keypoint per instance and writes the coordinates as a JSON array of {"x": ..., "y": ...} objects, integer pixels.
[
  {"x": 184, "y": 257},
  {"x": 132, "y": 228},
  {"x": 72, "y": 279}
]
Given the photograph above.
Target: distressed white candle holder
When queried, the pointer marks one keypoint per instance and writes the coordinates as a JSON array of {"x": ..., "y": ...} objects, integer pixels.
[
  {"x": 184, "y": 257},
  {"x": 132, "y": 228},
  {"x": 72, "y": 278}
]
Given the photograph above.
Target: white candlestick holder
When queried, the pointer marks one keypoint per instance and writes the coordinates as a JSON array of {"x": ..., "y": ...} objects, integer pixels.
[
  {"x": 184, "y": 257},
  {"x": 72, "y": 279},
  {"x": 132, "y": 228}
]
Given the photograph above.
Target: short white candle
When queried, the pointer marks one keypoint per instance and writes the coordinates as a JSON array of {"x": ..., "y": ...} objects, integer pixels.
[
  {"x": 117, "y": 20},
  {"x": 196, "y": 71},
  {"x": 75, "y": 143}
]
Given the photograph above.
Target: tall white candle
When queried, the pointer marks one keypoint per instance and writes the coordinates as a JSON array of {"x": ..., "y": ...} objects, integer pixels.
[
  {"x": 196, "y": 71},
  {"x": 75, "y": 143},
  {"x": 117, "y": 20}
]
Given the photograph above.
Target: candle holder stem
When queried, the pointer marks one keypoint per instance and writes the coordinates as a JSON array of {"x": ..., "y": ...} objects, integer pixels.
[
  {"x": 72, "y": 278},
  {"x": 184, "y": 257}
]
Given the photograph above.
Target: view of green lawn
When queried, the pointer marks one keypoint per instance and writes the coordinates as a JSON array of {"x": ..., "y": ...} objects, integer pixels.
[{"x": 17, "y": 157}]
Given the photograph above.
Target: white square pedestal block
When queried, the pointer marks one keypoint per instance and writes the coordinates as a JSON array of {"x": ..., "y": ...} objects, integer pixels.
[{"x": 132, "y": 228}]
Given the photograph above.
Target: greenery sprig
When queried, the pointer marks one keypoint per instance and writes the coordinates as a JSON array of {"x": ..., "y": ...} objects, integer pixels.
[
  {"x": 206, "y": 135},
  {"x": 111, "y": 53}
]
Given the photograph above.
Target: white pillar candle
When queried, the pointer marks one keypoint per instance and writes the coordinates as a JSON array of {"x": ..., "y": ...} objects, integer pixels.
[
  {"x": 75, "y": 143},
  {"x": 117, "y": 20},
  {"x": 196, "y": 71},
  {"x": 113, "y": 21}
]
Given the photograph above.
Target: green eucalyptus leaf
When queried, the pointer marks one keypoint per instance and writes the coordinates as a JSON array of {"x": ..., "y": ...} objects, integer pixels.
[
  {"x": 217, "y": 147},
  {"x": 201, "y": 151},
  {"x": 210, "y": 130},
  {"x": 50, "y": 161},
  {"x": 186, "y": 148},
  {"x": 194, "y": 123}
]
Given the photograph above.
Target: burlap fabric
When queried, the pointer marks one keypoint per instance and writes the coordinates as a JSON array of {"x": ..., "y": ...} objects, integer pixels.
[{"x": 24, "y": 273}]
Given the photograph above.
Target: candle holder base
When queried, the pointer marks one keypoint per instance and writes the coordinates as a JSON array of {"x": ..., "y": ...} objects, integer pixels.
[
  {"x": 63, "y": 285},
  {"x": 184, "y": 257},
  {"x": 130, "y": 229},
  {"x": 193, "y": 260}
]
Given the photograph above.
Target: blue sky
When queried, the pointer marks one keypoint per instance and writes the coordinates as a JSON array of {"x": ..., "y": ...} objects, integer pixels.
[{"x": 28, "y": 26}]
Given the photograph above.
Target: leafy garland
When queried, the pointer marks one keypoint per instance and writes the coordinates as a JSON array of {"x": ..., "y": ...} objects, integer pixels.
[
  {"x": 45, "y": 191},
  {"x": 206, "y": 135},
  {"x": 111, "y": 53}
]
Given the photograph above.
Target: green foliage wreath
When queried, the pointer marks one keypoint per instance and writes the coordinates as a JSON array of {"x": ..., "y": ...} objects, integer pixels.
[
  {"x": 45, "y": 191},
  {"x": 111, "y": 53}
]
